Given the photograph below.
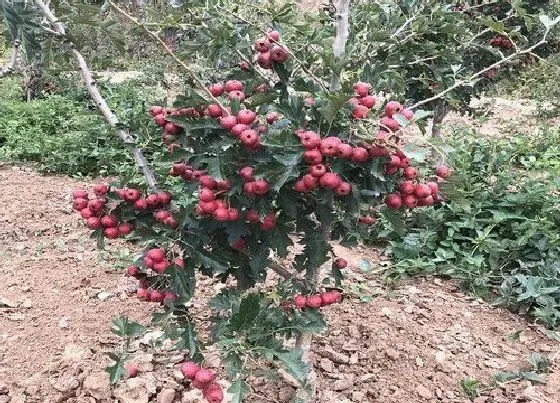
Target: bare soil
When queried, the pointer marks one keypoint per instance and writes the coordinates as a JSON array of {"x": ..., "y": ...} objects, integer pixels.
[{"x": 413, "y": 342}]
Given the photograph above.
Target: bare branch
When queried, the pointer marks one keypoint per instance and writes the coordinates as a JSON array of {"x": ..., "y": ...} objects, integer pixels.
[
  {"x": 339, "y": 44},
  {"x": 94, "y": 93}
]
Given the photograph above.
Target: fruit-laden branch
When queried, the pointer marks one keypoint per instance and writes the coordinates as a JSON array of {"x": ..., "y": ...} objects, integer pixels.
[
  {"x": 292, "y": 55},
  {"x": 11, "y": 67},
  {"x": 171, "y": 53},
  {"x": 94, "y": 93},
  {"x": 470, "y": 80},
  {"x": 339, "y": 44}
]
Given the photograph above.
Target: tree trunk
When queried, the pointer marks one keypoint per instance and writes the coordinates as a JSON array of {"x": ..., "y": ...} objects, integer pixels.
[
  {"x": 440, "y": 111},
  {"x": 12, "y": 66}
]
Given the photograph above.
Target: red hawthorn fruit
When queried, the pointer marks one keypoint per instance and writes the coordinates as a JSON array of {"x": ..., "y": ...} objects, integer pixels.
[
  {"x": 392, "y": 108},
  {"x": 214, "y": 111},
  {"x": 239, "y": 244},
  {"x": 125, "y": 228},
  {"x": 360, "y": 112},
  {"x": 131, "y": 195},
  {"x": 206, "y": 181},
  {"x": 100, "y": 189},
  {"x": 171, "y": 222},
  {"x": 262, "y": 88},
  {"x": 368, "y": 101},
  {"x": 378, "y": 151},
  {"x": 354, "y": 102},
  {"x": 93, "y": 223},
  {"x": 217, "y": 89},
  {"x": 262, "y": 45},
  {"x": 149, "y": 263},
  {"x": 260, "y": 187},
  {"x": 308, "y": 102},
  {"x": 312, "y": 157},
  {"x": 164, "y": 197},
  {"x": 246, "y": 116},
  {"x": 205, "y": 195},
  {"x": 340, "y": 263},
  {"x": 209, "y": 207},
  {"x": 79, "y": 204},
  {"x": 160, "y": 267},
  {"x": 179, "y": 262},
  {"x": 86, "y": 213},
  {"x": 228, "y": 122},
  {"x": 238, "y": 129},
  {"x": 249, "y": 137},
  {"x": 300, "y": 187},
  {"x": 189, "y": 369},
  {"x": 422, "y": 191},
  {"x": 155, "y": 110},
  {"x": 221, "y": 214},
  {"x": 410, "y": 201},
  {"x": 204, "y": 376},
  {"x": 393, "y": 201},
  {"x": 329, "y": 145},
  {"x": 313, "y": 301},
  {"x": 213, "y": 393},
  {"x": 299, "y": 301},
  {"x": 434, "y": 187},
  {"x": 142, "y": 293},
  {"x": 156, "y": 254},
  {"x": 343, "y": 189},
  {"x": 196, "y": 175},
  {"x": 109, "y": 221},
  {"x": 272, "y": 117},
  {"x": 442, "y": 171},
  {"x": 391, "y": 170},
  {"x": 160, "y": 120},
  {"x": 132, "y": 271},
  {"x": 317, "y": 170},
  {"x": 330, "y": 180},
  {"x": 328, "y": 298},
  {"x": 404, "y": 163},
  {"x": 244, "y": 65},
  {"x": 156, "y": 296},
  {"x": 274, "y": 36},
  {"x": 362, "y": 89},
  {"x": 279, "y": 54},
  {"x": 152, "y": 201},
  {"x": 249, "y": 188},
  {"x": 80, "y": 194},
  {"x": 252, "y": 216},
  {"x": 426, "y": 201},
  {"x": 368, "y": 220},
  {"x": 310, "y": 140},
  {"x": 263, "y": 60},
  {"x": 408, "y": 114},
  {"x": 172, "y": 128},
  {"x": 178, "y": 169},
  {"x": 198, "y": 385},
  {"x": 344, "y": 150},
  {"x": 111, "y": 232},
  {"x": 233, "y": 85},
  {"x": 131, "y": 370},
  {"x": 161, "y": 215},
  {"x": 359, "y": 154},
  {"x": 406, "y": 187},
  {"x": 239, "y": 95},
  {"x": 247, "y": 173},
  {"x": 410, "y": 173},
  {"x": 309, "y": 181},
  {"x": 269, "y": 222},
  {"x": 223, "y": 185},
  {"x": 394, "y": 161},
  {"x": 389, "y": 123},
  {"x": 169, "y": 296},
  {"x": 141, "y": 204}
]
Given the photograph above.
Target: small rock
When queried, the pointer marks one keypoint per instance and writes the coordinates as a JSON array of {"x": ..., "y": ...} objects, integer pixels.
[
  {"x": 144, "y": 362},
  {"x": 334, "y": 356},
  {"x": 7, "y": 302},
  {"x": 97, "y": 385},
  {"x": 392, "y": 354},
  {"x": 166, "y": 396},
  {"x": 76, "y": 353},
  {"x": 26, "y": 304},
  {"x": 192, "y": 396},
  {"x": 326, "y": 365},
  {"x": 132, "y": 391},
  {"x": 358, "y": 396},
  {"x": 104, "y": 295},
  {"x": 424, "y": 392},
  {"x": 385, "y": 311},
  {"x": 63, "y": 323},
  {"x": 342, "y": 384},
  {"x": 65, "y": 383}
]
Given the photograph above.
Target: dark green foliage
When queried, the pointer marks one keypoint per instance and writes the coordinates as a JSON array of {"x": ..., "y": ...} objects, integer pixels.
[{"x": 500, "y": 231}]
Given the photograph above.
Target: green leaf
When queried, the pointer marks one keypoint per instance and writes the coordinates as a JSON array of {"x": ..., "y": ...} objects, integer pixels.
[
  {"x": 116, "y": 371},
  {"x": 294, "y": 365},
  {"x": 238, "y": 390},
  {"x": 248, "y": 310},
  {"x": 123, "y": 327},
  {"x": 333, "y": 106},
  {"x": 182, "y": 281},
  {"x": 188, "y": 339}
]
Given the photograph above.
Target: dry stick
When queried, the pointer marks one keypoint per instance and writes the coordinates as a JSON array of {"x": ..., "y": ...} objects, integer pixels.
[
  {"x": 292, "y": 55},
  {"x": 339, "y": 44},
  {"x": 469, "y": 80},
  {"x": 171, "y": 53},
  {"x": 100, "y": 101}
]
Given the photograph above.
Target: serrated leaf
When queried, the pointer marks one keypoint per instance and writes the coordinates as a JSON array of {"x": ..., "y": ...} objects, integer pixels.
[
  {"x": 238, "y": 390},
  {"x": 116, "y": 371},
  {"x": 188, "y": 339},
  {"x": 182, "y": 281},
  {"x": 123, "y": 327},
  {"x": 248, "y": 310},
  {"x": 294, "y": 365}
]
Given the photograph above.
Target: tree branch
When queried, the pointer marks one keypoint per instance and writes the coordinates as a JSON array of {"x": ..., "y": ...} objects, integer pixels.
[
  {"x": 94, "y": 93},
  {"x": 339, "y": 44},
  {"x": 170, "y": 52}
]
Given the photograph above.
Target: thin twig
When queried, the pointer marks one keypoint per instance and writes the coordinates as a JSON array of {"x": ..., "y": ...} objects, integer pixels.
[
  {"x": 292, "y": 55},
  {"x": 171, "y": 53}
]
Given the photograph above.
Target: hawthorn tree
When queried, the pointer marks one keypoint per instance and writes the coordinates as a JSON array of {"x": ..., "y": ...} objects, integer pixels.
[{"x": 269, "y": 162}]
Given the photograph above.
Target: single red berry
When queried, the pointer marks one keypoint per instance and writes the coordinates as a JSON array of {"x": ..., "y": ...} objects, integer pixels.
[
  {"x": 344, "y": 150},
  {"x": 93, "y": 223},
  {"x": 204, "y": 376},
  {"x": 246, "y": 173},
  {"x": 221, "y": 214},
  {"x": 238, "y": 95},
  {"x": 317, "y": 170},
  {"x": 434, "y": 187},
  {"x": 131, "y": 195},
  {"x": 238, "y": 129},
  {"x": 164, "y": 197},
  {"x": 362, "y": 89},
  {"x": 156, "y": 254},
  {"x": 312, "y": 157},
  {"x": 392, "y": 108},
  {"x": 330, "y": 180},
  {"x": 422, "y": 190},
  {"x": 263, "y": 60},
  {"x": 206, "y": 181},
  {"x": 329, "y": 145},
  {"x": 161, "y": 215},
  {"x": 141, "y": 204},
  {"x": 369, "y": 101},
  {"x": 408, "y": 114},
  {"x": 314, "y": 301},
  {"x": 252, "y": 216},
  {"x": 274, "y": 36},
  {"x": 111, "y": 233},
  {"x": 156, "y": 296},
  {"x": 244, "y": 65},
  {"x": 360, "y": 112},
  {"x": 260, "y": 187},
  {"x": 80, "y": 194},
  {"x": 300, "y": 187},
  {"x": 442, "y": 171},
  {"x": 216, "y": 89},
  {"x": 213, "y": 393},
  {"x": 388, "y": 123},
  {"x": 262, "y": 45},
  {"x": 132, "y": 271},
  {"x": 279, "y": 54},
  {"x": 410, "y": 201},
  {"x": 131, "y": 370},
  {"x": 86, "y": 213},
  {"x": 410, "y": 173},
  {"x": 160, "y": 267},
  {"x": 393, "y": 201},
  {"x": 299, "y": 301},
  {"x": 359, "y": 155},
  {"x": 79, "y": 204},
  {"x": 406, "y": 187},
  {"x": 272, "y": 117},
  {"x": 142, "y": 293},
  {"x": 233, "y": 85},
  {"x": 214, "y": 111},
  {"x": 125, "y": 228},
  {"x": 228, "y": 122},
  {"x": 246, "y": 116},
  {"x": 100, "y": 189},
  {"x": 340, "y": 263},
  {"x": 310, "y": 181},
  {"x": 109, "y": 221}
]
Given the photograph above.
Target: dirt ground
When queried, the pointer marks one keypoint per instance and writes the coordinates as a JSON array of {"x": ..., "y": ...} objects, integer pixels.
[{"x": 411, "y": 343}]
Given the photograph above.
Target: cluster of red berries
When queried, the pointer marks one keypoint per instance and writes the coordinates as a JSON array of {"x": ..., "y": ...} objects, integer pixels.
[
  {"x": 269, "y": 50},
  {"x": 170, "y": 129},
  {"x": 156, "y": 260},
  {"x": 501, "y": 42},
  {"x": 252, "y": 186},
  {"x": 156, "y": 201},
  {"x": 413, "y": 194},
  {"x": 317, "y": 300},
  {"x": 203, "y": 379},
  {"x": 154, "y": 295},
  {"x": 93, "y": 211},
  {"x": 266, "y": 224},
  {"x": 232, "y": 88},
  {"x": 210, "y": 206}
]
